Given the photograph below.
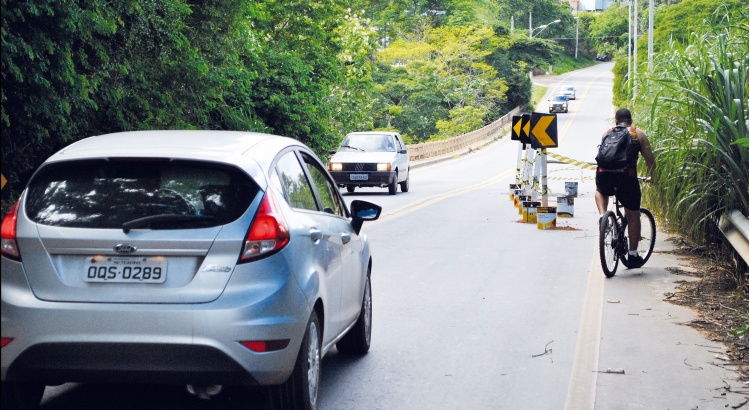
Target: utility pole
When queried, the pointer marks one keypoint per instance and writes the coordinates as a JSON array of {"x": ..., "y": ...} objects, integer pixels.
[
  {"x": 577, "y": 19},
  {"x": 635, "y": 41},
  {"x": 630, "y": 43},
  {"x": 650, "y": 35},
  {"x": 531, "y": 28}
]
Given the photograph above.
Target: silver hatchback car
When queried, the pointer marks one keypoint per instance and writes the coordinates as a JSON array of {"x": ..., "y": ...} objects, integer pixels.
[{"x": 203, "y": 258}]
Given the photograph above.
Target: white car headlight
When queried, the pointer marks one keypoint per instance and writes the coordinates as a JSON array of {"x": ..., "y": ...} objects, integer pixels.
[
  {"x": 335, "y": 166},
  {"x": 384, "y": 167}
]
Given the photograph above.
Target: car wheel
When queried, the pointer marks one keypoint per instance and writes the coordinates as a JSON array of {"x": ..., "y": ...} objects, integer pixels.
[
  {"x": 350, "y": 188},
  {"x": 393, "y": 185},
  {"x": 405, "y": 184},
  {"x": 357, "y": 340},
  {"x": 300, "y": 391},
  {"x": 22, "y": 396}
]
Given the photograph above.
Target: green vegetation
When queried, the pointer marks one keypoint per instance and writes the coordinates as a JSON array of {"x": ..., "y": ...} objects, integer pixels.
[
  {"x": 314, "y": 71},
  {"x": 694, "y": 105},
  {"x": 75, "y": 69},
  {"x": 564, "y": 64}
]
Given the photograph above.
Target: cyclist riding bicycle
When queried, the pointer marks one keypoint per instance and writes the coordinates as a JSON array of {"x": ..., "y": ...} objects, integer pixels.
[{"x": 624, "y": 183}]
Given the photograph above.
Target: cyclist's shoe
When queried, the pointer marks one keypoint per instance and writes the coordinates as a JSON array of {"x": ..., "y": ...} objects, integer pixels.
[{"x": 635, "y": 261}]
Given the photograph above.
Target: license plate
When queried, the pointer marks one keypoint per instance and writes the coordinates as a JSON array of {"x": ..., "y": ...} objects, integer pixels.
[
  {"x": 119, "y": 269},
  {"x": 358, "y": 177}
]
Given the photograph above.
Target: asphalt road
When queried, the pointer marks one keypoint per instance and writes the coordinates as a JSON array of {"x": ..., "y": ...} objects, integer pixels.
[{"x": 475, "y": 309}]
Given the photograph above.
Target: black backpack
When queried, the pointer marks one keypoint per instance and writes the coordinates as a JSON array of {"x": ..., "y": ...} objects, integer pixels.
[{"x": 617, "y": 149}]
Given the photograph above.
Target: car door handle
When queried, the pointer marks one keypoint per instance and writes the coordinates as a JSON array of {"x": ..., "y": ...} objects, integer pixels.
[
  {"x": 316, "y": 234},
  {"x": 346, "y": 238}
]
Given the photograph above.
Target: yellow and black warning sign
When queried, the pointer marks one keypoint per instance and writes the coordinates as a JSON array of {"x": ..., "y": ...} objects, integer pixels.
[
  {"x": 543, "y": 130},
  {"x": 520, "y": 129},
  {"x": 515, "y": 129},
  {"x": 5, "y": 192}
]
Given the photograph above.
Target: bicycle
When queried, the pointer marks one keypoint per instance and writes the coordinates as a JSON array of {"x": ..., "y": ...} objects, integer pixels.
[{"x": 613, "y": 238}]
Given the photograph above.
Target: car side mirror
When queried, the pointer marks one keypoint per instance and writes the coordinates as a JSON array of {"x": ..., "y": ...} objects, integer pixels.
[
  {"x": 403, "y": 151},
  {"x": 331, "y": 152},
  {"x": 363, "y": 211}
]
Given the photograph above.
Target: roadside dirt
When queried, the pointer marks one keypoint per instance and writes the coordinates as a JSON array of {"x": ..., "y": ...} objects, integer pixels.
[{"x": 721, "y": 308}]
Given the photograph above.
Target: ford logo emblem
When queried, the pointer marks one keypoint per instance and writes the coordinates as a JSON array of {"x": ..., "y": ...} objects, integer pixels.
[{"x": 125, "y": 248}]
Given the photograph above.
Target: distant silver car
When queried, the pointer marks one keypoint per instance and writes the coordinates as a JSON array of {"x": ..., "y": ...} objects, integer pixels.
[
  {"x": 203, "y": 258},
  {"x": 558, "y": 103},
  {"x": 568, "y": 91},
  {"x": 371, "y": 159}
]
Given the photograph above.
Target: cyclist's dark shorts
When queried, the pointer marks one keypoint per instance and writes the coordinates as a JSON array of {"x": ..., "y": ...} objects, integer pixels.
[{"x": 628, "y": 188}]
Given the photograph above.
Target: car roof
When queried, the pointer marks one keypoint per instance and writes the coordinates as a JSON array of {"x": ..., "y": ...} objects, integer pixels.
[
  {"x": 173, "y": 143},
  {"x": 559, "y": 97},
  {"x": 373, "y": 133}
]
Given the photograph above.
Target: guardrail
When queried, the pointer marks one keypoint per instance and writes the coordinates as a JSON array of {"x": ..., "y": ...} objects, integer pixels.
[
  {"x": 735, "y": 226},
  {"x": 434, "y": 148}
]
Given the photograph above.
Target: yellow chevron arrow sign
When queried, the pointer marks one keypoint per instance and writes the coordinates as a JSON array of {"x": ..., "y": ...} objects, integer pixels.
[
  {"x": 543, "y": 130},
  {"x": 526, "y": 127},
  {"x": 516, "y": 134}
]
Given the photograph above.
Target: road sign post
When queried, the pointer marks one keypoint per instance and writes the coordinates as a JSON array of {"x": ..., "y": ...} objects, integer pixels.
[{"x": 543, "y": 135}]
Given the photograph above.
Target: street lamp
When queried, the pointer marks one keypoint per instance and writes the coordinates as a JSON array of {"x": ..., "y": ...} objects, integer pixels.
[{"x": 542, "y": 27}]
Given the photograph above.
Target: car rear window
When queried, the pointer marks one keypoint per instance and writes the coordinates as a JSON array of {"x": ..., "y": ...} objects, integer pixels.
[{"x": 107, "y": 194}]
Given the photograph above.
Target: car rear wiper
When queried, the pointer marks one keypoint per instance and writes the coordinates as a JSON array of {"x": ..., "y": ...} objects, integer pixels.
[
  {"x": 349, "y": 146},
  {"x": 146, "y": 222}
]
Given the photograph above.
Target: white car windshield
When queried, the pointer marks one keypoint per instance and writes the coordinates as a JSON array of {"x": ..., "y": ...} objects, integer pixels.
[{"x": 369, "y": 142}]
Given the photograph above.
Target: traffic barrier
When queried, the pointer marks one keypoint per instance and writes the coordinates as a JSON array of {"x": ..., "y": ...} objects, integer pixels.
[
  {"x": 565, "y": 206},
  {"x": 571, "y": 188},
  {"x": 571, "y": 161},
  {"x": 512, "y": 191},
  {"x": 426, "y": 150},
  {"x": 521, "y": 200},
  {"x": 546, "y": 217},
  {"x": 529, "y": 211}
]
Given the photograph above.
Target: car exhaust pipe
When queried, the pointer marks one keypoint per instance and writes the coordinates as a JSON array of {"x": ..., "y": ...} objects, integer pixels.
[{"x": 204, "y": 391}]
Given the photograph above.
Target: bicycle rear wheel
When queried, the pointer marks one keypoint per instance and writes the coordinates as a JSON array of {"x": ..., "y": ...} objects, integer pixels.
[
  {"x": 647, "y": 241},
  {"x": 608, "y": 243}
]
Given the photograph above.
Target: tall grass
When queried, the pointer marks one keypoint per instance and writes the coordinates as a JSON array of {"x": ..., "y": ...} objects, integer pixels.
[{"x": 696, "y": 103}]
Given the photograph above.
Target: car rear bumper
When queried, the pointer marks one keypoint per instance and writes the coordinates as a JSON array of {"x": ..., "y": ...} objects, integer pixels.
[
  {"x": 57, "y": 342},
  {"x": 379, "y": 178}
]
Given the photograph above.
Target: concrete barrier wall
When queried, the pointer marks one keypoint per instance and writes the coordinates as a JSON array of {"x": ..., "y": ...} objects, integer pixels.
[{"x": 434, "y": 148}]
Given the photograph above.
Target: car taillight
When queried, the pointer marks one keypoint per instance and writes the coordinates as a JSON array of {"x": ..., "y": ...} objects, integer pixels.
[
  {"x": 268, "y": 232},
  {"x": 261, "y": 346},
  {"x": 5, "y": 341},
  {"x": 9, "y": 245}
]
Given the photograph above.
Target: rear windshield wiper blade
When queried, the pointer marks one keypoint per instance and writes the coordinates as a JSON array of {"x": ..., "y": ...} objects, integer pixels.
[
  {"x": 146, "y": 222},
  {"x": 349, "y": 146}
]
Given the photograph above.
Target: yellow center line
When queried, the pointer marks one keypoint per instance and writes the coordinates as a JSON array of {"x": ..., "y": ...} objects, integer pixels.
[
  {"x": 569, "y": 119},
  {"x": 431, "y": 200}
]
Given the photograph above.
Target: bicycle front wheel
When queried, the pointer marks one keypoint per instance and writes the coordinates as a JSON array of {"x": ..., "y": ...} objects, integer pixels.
[
  {"x": 608, "y": 243},
  {"x": 646, "y": 242}
]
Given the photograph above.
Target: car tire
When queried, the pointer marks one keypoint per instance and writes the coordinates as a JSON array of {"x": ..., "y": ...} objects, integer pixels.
[
  {"x": 405, "y": 183},
  {"x": 357, "y": 339},
  {"x": 393, "y": 186},
  {"x": 21, "y": 396},
  {"x": 300, "y": 391},
  {"x": 350, "y": 188}
]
